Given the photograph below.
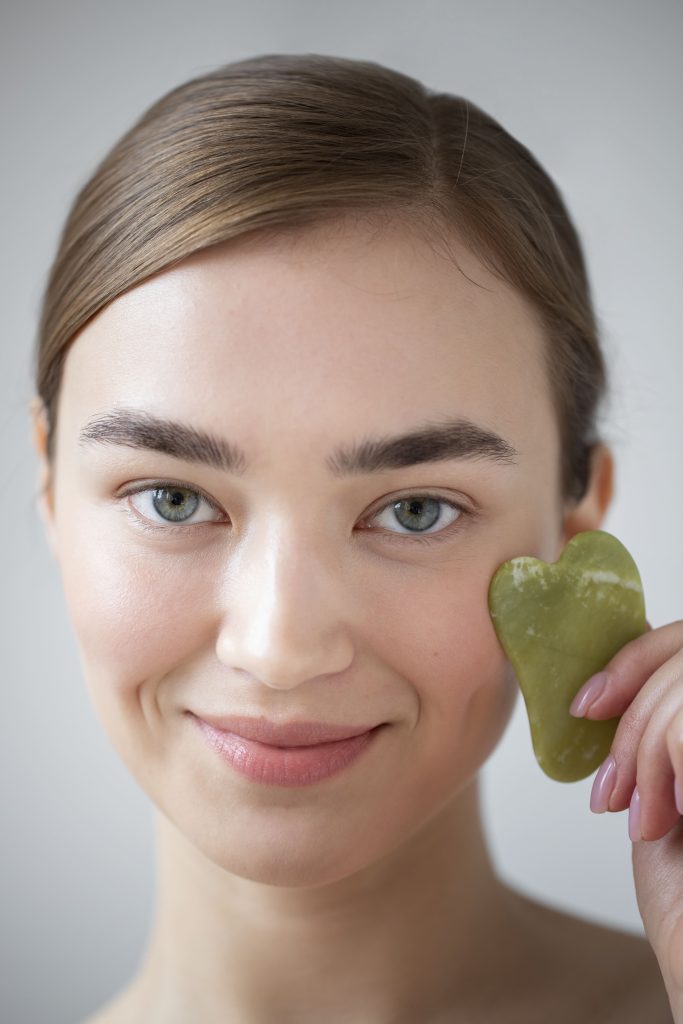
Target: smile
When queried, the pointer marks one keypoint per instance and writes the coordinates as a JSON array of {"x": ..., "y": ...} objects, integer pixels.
[{"x": 294, "y": 765}]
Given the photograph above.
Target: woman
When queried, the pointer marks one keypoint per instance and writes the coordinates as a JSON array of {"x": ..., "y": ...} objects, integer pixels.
[{"x": 317, "y": 355}]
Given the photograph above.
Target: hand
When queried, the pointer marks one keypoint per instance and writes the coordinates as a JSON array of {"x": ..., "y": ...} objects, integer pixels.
[{"x": 643, "y": 683}]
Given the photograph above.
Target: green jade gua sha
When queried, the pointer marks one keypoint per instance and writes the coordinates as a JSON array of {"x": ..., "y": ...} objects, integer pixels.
[{"x": 559, "y": 623}]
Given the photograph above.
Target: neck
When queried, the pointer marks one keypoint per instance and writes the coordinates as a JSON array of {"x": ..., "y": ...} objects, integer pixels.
[{"x": 409, "y": 935}]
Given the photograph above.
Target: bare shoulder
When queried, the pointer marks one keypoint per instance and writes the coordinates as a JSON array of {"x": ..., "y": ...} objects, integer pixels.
[{"x": 604, "y": 974}]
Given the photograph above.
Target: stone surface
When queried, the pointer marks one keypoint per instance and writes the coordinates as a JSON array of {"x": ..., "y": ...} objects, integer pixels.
[{"x": 559, "y": 623}]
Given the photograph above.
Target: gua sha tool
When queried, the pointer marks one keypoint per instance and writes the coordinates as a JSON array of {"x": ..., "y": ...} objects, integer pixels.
[{"x": 559, "y": 623}]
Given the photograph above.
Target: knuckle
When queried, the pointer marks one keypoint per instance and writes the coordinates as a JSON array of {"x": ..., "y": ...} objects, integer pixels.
[{"x": 626, "y": 738}]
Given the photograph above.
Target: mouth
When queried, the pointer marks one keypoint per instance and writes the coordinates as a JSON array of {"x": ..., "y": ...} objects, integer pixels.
[
  {"x": 293, "y": 764},
  {"x": 299, "y": 733}
]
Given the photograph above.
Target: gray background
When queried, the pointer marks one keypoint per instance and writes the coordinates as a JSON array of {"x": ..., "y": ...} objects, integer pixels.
[{"x": 594, "y": 89}]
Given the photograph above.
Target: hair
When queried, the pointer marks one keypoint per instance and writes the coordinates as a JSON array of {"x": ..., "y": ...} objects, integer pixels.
[{"x": 281, "y": 141}]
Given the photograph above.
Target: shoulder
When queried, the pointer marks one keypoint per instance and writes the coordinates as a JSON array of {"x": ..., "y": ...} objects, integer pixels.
[{"x": 599, "y": 973}]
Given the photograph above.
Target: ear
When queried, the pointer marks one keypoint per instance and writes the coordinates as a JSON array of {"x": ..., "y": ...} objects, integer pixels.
[
  {"x": 590, "y": 511},
  {"x": 46, "y": 494}
]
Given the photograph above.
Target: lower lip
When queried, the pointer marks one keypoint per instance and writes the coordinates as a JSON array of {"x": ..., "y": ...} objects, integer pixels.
[{"x": 286, "y": 766}]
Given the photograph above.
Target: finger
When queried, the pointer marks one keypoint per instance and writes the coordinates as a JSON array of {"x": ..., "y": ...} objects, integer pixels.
[
  {"x": 659, "y": 754},
  {"x": 641, "y": 737},
  {"x": 610, "y": 692},
  {"x": 675, "y": 745},
  {"x": 674, "y": 742}
]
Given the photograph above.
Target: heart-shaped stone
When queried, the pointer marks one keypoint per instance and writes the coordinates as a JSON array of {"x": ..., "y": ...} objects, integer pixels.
[{"x": 559, "y": 623}]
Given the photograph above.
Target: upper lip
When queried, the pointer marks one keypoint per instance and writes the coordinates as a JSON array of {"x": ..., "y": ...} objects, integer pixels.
[{"x": 284, "y": 734}]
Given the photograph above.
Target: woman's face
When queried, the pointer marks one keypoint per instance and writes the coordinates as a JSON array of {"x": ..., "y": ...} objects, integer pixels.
[{"x": 292, "y": 586}]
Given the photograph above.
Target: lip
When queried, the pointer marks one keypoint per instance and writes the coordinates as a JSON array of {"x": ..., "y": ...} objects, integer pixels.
[
  {"x": 284, "y": 734},
  {"x": 293, "y": 765}
]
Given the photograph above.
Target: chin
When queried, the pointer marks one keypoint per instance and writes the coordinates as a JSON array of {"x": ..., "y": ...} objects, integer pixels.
[
  {"x": 291, "y": 847},
  {"x": 272, "y": 860}
]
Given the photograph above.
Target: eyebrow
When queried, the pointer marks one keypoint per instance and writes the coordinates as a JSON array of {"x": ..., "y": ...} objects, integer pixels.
[{"x": 433, "y": 442}]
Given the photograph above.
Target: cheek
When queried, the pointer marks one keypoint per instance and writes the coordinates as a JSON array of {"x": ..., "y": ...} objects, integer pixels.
[
  {"x": 443, "y": 645},
  {"x": 136, "y": 615}
]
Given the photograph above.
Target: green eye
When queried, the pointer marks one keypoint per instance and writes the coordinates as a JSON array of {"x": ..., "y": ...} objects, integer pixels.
[
  {"x": 176, "y": 504},
  {"x": 417, "y": 514},
  {"x": 166, "y": 505}
]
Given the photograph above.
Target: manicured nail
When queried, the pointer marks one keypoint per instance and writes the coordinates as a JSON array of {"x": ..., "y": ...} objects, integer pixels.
[
  {"x": 634, "y": 817},
  {"x": 603, "y": 785},
  {"x": 678, "y": 796},
  {"x": 588, "y": 694}
]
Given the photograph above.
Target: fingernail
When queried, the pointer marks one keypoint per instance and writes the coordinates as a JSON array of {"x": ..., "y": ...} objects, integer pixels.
[
  {"x": 603, "y": 785},
  {"x": 678, "y": 796},
  {"x": 634, "y": 817},
  {"x": 588, "y": 694}
]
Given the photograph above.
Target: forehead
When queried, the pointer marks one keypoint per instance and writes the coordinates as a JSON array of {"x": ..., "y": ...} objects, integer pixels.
[{"x": 311, "y": 331}]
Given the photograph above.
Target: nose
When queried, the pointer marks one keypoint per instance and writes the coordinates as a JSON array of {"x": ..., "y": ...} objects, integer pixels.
[{"x": 282, "y": 618}]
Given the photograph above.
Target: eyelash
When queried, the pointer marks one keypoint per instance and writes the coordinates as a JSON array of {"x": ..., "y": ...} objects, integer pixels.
[{"x": 141, "y": 522}]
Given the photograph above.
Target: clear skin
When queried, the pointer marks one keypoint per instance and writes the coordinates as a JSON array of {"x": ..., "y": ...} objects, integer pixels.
[{"x": 370, "y": 893}]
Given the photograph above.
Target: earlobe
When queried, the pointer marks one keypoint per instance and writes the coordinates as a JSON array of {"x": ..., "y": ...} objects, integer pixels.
[
  {"x": 45, "y": 496},
  {"x": 590, "y": 511}
]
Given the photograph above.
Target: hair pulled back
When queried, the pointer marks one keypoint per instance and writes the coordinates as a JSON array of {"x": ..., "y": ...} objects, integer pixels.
[{"x": 279, "y": 141}]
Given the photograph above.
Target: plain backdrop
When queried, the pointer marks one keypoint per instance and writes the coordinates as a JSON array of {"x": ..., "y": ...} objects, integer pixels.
[{"x": 594, "y": 89}]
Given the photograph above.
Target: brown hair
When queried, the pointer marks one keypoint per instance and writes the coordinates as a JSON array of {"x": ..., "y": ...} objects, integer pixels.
[{"x": 279, "y": 141}]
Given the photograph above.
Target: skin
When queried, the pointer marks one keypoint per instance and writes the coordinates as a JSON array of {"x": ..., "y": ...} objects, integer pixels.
[{"x": 371, "y": 896}]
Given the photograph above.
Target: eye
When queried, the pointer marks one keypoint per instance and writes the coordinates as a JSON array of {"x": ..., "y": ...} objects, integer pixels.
[
  {"x": 171, "y": 507},
  {"x": 169, "y": 504},
  {"x": 418, "y": 514}
]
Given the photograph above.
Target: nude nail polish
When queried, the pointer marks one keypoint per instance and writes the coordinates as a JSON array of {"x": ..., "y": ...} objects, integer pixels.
[
  {"x": 588, "y": 694},
  {"x": 603, "y": 785},
  {"x": 634, "y": 817}
]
